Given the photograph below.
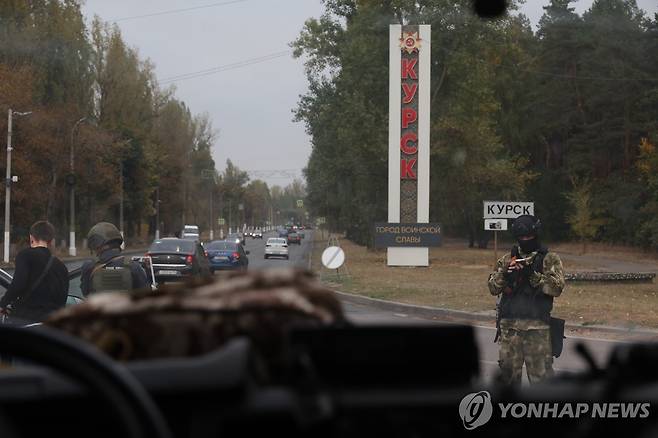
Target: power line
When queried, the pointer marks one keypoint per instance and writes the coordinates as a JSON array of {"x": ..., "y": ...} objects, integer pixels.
[
  {"x": 222, "y": 68},
  {"x": 175, "y": 11}
]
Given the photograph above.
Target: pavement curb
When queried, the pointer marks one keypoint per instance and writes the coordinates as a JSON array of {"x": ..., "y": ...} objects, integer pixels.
[{"x": 462, "y": 316}]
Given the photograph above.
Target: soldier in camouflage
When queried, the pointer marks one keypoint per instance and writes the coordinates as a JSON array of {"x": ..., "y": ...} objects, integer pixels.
[
  {"x": 526, "y": 281},
  {"x": 112, "y": 271}
]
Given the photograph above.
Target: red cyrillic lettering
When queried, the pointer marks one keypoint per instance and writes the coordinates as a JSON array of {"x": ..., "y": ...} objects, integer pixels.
[
  {"x": 407, "y": 169},
  {"x": 409, "y": 115},
  {"x": 409, "y": 92},
  {"x": 404, "y": 143},
  {"x": 408, "y": 68}
]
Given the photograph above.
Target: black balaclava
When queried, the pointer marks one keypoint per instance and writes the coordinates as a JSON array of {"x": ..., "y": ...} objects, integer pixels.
[{"x": 527, "y": 225}]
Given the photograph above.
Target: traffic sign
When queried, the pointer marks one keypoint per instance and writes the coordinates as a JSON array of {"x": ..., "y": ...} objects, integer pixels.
[
  {"x": 221, "y": 221},
  {"x": 300, "y": 203},
  {"x": 495, "y": 224},
  {"x": 507, "y": 210},
  {"x": 333, "y": 257}
]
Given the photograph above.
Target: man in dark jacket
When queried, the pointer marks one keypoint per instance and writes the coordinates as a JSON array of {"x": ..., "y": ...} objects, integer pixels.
[
  {"x": 112, "y": 271},
  {"x": 41, "y": 281}
]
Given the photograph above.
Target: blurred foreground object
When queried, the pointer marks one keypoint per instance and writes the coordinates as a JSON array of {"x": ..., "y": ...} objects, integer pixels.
[{"x": 182, "y": 320}]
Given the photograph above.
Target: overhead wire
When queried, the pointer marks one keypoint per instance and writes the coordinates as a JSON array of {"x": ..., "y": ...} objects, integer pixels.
[
  {"x": 226, "y": 67},
  {"x": 175, "y": 11}
]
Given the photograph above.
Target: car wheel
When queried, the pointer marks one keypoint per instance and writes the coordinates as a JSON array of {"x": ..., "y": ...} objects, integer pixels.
[
  {"x": 265, "y": 256},
  {"x": 287, "y": 257}
]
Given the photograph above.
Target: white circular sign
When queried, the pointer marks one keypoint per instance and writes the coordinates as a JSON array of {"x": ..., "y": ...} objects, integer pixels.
[{"x": 333, "y": 257}]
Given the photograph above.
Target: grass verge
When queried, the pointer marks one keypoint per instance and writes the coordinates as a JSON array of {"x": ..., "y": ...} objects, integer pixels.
[{"x": 457, "y": 279}]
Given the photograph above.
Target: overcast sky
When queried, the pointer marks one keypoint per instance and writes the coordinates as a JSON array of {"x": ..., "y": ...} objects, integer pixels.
[{"x": 249, "y": 106}]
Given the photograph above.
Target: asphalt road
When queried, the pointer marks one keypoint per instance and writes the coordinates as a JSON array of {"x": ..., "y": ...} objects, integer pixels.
[{"x": 298, "y": 254}]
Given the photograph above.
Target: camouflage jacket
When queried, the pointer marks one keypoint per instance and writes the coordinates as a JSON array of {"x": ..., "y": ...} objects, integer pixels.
[{"x": 550, "y": 282}]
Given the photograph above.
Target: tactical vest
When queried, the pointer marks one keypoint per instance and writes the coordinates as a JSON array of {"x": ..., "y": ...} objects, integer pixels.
[
  {"x": 106, "y": 278},
  {"x": 525, "y": 301}
]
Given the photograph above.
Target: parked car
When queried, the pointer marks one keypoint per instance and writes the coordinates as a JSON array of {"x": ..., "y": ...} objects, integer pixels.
[
  {"x": 294, "y": 238},
  {"x": 176, "y": 259},
  {"x": 224, "y": 255},
  {"x": 190, "y": 232},
  {"x": 276, "y": 247},
  {"x": 237, "y": 238}
]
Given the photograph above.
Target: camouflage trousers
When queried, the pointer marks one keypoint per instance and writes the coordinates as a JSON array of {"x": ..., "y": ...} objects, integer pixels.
[{"x": 532, "y": 347}]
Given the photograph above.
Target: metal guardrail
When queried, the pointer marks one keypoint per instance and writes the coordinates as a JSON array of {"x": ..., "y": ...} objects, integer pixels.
[{"x": 638, "y": 277}]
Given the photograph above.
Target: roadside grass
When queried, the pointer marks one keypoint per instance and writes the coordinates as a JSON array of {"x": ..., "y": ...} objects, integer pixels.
[{"x": 457, "y": 279}]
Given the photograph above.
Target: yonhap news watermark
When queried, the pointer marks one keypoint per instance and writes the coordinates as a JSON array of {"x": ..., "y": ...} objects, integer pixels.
[{"x": 476, "y": 409}]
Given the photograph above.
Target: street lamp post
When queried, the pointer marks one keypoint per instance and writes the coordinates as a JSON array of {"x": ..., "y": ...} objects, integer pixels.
[
  {"x": 72, "y": 249},
  {"x": 8, "y": 181}
]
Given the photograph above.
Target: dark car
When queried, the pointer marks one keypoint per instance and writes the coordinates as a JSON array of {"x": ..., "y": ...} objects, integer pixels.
[
  {"x": 227, "y": 255},
  {"x": 283, "y": 233},
  {"x": 294, "y": 238},
  {"x": 176, "y": 259}
]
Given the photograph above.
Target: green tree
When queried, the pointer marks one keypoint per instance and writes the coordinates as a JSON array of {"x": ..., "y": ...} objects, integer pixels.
[{"x": 583, "y": 219}]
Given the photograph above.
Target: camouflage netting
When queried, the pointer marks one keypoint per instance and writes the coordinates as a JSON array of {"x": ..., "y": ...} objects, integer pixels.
[{"x": 196, "y": 318}]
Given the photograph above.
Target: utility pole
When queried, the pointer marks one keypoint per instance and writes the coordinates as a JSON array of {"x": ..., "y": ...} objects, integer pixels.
[
  {"x": 121, "y": 199},
  {"x": 8, "y": 187},
  {"x": 157, "y": 213},
  {"x": 210, "y": 175},
  {"x": 71, "y": 181},
  {"x": 8, "y": 180},
  {"x": 212, "y": 225},
  {"x": 230, "y": 215}
]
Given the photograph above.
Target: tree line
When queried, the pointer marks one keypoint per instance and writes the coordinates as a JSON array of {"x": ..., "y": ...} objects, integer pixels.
[
  {"x": 96, "y": 105},
  {"x": 565, "y": 116}
]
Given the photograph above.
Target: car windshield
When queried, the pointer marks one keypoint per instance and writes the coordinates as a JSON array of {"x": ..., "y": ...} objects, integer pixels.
[
  {"x": 219, "y": 246},
  {"x": 486, "y": 163},
  {"x": 174, "y": 246}
]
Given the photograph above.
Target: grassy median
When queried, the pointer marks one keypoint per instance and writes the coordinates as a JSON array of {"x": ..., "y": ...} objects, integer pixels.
[{"x": 457, "y": 277}]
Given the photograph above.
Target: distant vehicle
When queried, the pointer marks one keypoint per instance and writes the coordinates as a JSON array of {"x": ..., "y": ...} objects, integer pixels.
[
  {"x": 223, "y": 255},
  {"x": 257, "y": 234},
  {"x": 276, "y": 247},
  {"x": 237, "y": 238},
  {"x": 294, "y": 238},
  {"x": 176, "y": 259},
  {"x": 190, "y": 232},
  {"x": 283, "y": 233}
]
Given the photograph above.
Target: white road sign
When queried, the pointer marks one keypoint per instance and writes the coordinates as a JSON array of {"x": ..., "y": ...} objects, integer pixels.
[
  {"x": 333, "y": 257},
  {"x": 507, "y": 210},
  {"x": 495, "y": 224}
]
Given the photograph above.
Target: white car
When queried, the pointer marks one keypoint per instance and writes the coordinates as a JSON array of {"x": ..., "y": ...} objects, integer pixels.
[
  {"x": 190, "y": 232},
  {"x": 276, "y": 247}
]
